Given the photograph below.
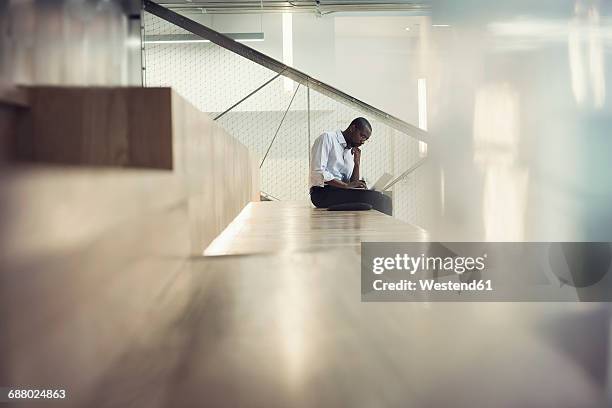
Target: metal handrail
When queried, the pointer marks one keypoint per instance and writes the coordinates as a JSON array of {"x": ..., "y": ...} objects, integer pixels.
[
  {"x": 299, "y": 6},
  {"x": 280, "y": 68},
  {"x": 405, "y": 174}
]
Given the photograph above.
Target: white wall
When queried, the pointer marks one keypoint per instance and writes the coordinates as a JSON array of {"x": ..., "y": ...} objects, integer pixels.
[{"x": 371, "y": 57}]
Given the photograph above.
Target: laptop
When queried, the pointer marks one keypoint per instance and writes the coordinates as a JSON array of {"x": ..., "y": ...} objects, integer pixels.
[{"x": 380, "y": 184}]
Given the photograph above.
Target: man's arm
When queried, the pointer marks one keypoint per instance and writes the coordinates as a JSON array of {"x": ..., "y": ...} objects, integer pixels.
[
  {"x": 357, "y": 159},
  {"x": 318, "y": 161}
]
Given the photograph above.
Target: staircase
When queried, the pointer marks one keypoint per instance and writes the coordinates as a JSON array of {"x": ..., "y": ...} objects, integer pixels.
[{"x": 276, "y": 110}]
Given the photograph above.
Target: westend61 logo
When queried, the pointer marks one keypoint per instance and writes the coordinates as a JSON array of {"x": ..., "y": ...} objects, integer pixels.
[
  {"x": 486, "y": 271},
  {"x": 412, "y": 264}
]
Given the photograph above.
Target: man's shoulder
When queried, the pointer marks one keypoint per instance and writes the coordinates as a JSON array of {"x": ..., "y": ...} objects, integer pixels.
[{"x": 329, "y": 135}]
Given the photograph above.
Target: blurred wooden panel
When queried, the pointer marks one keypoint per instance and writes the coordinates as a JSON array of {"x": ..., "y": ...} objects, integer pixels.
[
  {"x": 86, "y": 250},
  {"x": 221, "y": 173},
  {"x": 75, "y": 240},
  {"x": 145, "y": 127},
  {"x": 13, "y": 111},
  {"x": 99, "y": 126},
  {"x": 137, "y": 127},
  {"x": 9, "y": 119},
  {"x": 13, "y": 95}
]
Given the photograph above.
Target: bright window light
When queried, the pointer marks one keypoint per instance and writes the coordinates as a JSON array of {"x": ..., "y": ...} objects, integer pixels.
[{"x": 422, "y": 106}]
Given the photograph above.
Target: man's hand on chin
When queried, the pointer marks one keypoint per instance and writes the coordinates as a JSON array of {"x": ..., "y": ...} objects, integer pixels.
[{"x": 356, "y": 154}]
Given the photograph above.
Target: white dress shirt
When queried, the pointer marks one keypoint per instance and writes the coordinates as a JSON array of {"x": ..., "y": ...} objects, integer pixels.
[{"x": 330, "y": 159}]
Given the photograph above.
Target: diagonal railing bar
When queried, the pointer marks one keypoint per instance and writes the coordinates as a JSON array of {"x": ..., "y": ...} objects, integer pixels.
[
  {"x": 277, "y": 66},
  {"x": 405, "y": 174},
  {"x": 248, "y": 96},
  {"x": 279, "y": 126},
  {"x": 269, "y": 196},
  {"x": 300, "y": 6}
]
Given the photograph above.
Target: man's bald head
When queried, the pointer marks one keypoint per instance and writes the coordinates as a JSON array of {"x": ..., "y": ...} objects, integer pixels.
[
  {"x": 358, "y": 132},
  {"x": 361, "y": 123}
]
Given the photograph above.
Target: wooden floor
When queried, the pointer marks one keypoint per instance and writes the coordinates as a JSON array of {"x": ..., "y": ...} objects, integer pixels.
[
  {"x": 285, "y": 226},
  {"x": 281, "y": 327}
]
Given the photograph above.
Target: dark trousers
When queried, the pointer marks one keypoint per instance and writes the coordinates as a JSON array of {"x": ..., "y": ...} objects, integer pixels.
[{"x": 323, "y": 197}]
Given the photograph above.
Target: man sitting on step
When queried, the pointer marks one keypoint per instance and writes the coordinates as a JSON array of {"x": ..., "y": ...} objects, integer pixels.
[{"x": 334, "y": 169}]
